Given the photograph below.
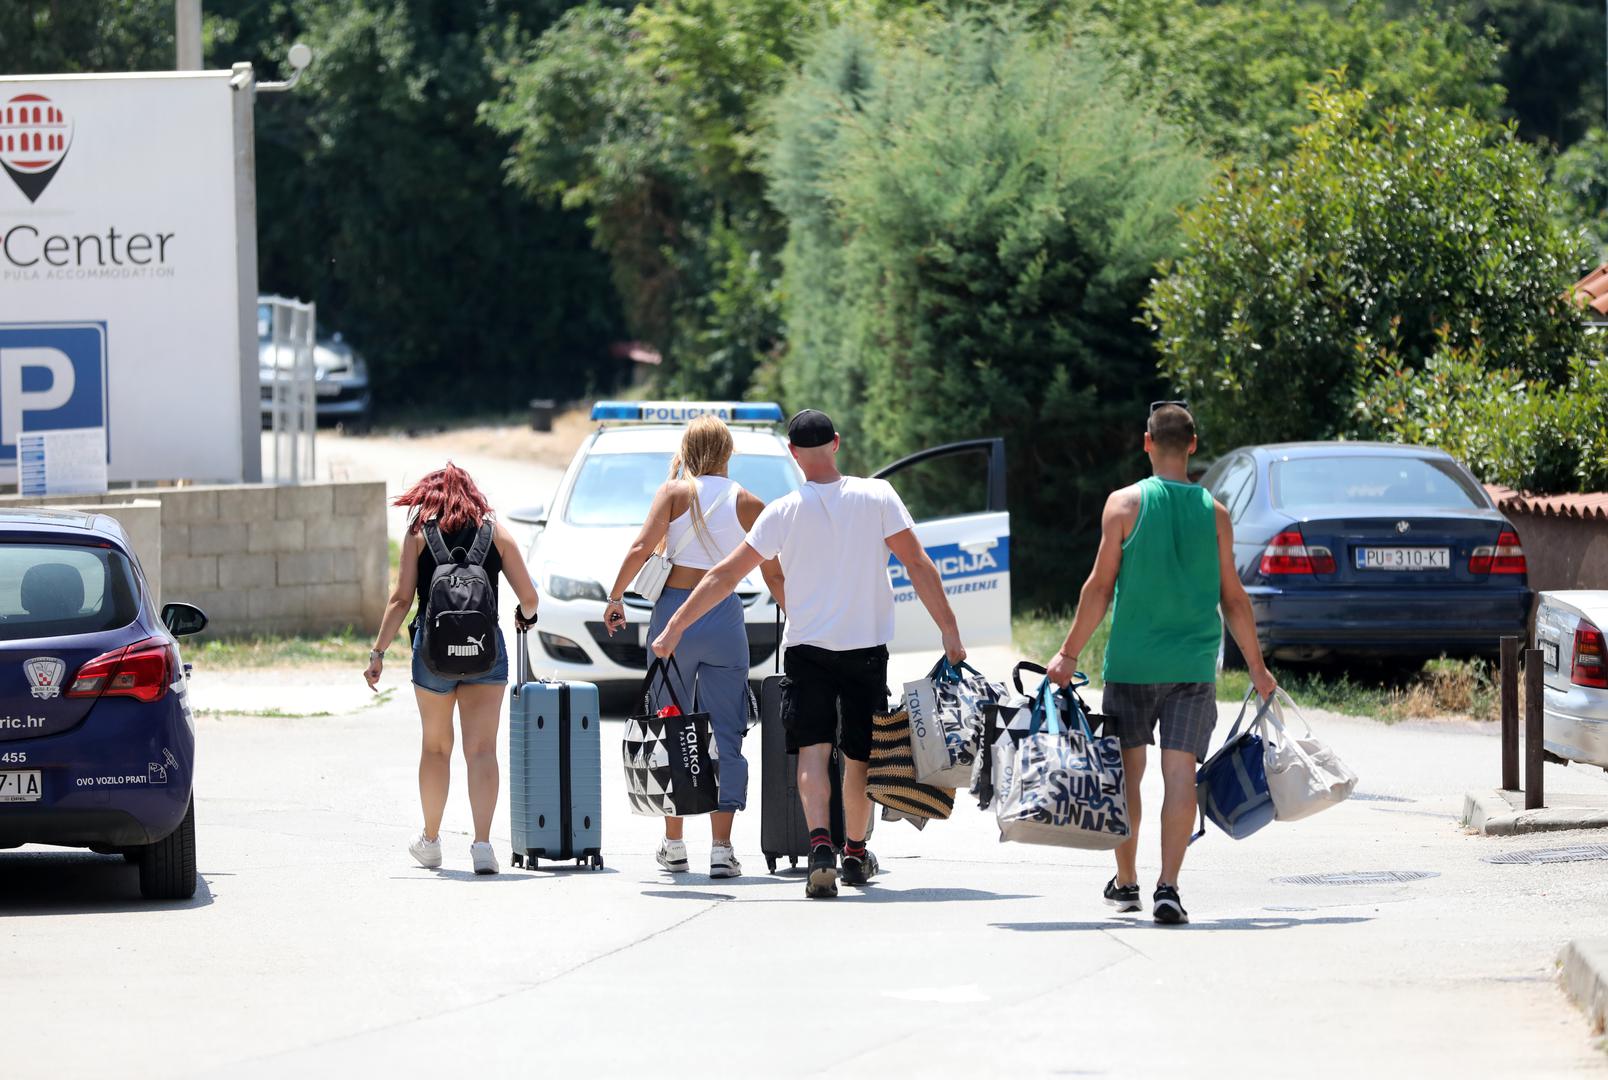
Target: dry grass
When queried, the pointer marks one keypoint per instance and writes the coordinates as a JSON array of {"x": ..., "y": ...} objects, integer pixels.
[
  {"x": 512, "y": 439},
  {"x": 1449, "y": 688}
]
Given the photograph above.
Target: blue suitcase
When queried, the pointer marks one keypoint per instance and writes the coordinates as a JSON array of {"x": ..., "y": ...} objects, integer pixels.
[{"x": 555, "y": 761}]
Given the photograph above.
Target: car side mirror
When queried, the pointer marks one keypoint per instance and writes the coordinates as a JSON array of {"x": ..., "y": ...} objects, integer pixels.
[
  {"x": 182, "y": 620},
  {"x": 530, "y": 515}
]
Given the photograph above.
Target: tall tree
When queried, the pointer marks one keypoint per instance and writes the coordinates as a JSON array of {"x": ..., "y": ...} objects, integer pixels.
[
  {"x": 1552, "y": 64},
  {"x": 380, "y": 196},
  {"x": 974, "y": 215},
  {"x": 1234, "y": 74}
]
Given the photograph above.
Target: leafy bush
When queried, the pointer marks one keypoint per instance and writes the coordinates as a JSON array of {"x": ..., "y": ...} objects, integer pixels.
[
  {"x": 1580, "y": 178},
  {"x": 1405, "y": 231},
  {"x": 1524, "y": 433},
  {"x": 974, "y": 216}
]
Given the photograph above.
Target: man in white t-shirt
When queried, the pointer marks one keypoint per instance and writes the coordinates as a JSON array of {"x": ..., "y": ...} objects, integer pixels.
[{"x": 832, "y": 538}]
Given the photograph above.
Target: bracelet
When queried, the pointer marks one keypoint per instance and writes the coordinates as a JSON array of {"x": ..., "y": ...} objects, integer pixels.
[
  {"x": 1063, "y": 653},
  {"x": 376, "y": 654},
  {"x": 617, "y": 600}
]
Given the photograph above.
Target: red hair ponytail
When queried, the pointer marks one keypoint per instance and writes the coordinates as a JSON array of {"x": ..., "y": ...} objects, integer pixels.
[{"x": 448, "y": 494}]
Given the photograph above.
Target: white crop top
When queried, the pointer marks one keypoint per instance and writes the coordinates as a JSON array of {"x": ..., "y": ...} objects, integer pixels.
[{"x": 721, "y": 534}]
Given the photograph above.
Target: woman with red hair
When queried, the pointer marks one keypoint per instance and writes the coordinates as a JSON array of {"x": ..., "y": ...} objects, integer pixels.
[{"x": 448, "y": 501}]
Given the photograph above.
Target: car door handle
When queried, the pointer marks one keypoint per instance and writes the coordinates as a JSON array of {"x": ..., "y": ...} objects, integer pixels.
[{"x": 977, "y": 547}]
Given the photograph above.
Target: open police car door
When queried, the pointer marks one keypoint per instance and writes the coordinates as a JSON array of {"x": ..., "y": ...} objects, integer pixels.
[{"x": 956, "y": 494}]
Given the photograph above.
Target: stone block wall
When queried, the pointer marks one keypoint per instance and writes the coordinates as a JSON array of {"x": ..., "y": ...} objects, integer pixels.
[{"x": 260, "y": 559}]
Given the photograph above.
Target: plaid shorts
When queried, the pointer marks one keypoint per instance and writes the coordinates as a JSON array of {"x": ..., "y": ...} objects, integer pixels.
[{"x": 1187, "y": 711}]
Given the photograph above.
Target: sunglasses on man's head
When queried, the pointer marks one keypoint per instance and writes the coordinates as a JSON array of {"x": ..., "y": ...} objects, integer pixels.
[{"x": 1154, "y": 405}]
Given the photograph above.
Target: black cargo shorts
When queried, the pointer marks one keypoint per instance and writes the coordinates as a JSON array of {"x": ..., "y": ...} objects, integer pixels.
[{"x": 828, "y": 696}]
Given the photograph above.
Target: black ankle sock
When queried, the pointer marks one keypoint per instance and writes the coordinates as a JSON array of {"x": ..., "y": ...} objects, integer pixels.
[
  {"x": 855, "y": 849},
  {"x": 820, "y": 838}
]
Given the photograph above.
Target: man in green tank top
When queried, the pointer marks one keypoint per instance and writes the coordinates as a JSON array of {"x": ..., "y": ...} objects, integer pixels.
[{"x": 1166, "y": 565}]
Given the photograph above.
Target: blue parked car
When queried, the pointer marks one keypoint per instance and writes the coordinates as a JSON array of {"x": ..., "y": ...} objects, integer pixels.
[
  {"x": 97, "y": 744},
  {"x": 1369, "y": 549}
]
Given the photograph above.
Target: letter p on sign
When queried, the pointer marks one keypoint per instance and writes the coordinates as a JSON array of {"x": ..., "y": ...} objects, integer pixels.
[{"x": 52, "y": 377}]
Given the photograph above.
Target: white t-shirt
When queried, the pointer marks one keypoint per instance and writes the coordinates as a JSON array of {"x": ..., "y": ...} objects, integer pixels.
[{"x": 831, "y": 540}]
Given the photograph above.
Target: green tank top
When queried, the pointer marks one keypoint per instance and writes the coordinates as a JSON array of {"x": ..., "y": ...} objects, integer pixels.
[{"x": 1165, "y": 626}]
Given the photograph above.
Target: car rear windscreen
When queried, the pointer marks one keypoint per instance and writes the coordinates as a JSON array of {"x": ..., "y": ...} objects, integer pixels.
[
  {"x": 1361, "y": 481},
  {"x": 617, "y": 489},
  {"x": 49, "y": 590}
]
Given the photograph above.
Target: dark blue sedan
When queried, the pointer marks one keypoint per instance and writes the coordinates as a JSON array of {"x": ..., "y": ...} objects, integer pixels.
[
  {"x": 97, "y": 744},
  {"x": 1369, "y": 549}
]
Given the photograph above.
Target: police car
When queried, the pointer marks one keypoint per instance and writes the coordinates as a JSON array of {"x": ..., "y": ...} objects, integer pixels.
[
  {"x": 97, "y": 743},
  {"x": 955, "y": 492}
]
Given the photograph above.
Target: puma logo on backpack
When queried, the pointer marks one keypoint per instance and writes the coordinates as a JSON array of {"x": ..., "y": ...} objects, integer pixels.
[
  {"x": 471, "y": 649},
  {"x": 460, "y": 613}
]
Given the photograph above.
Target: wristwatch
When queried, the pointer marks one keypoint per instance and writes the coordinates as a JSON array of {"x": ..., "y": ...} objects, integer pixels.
[{"x": 376, "y": 654}]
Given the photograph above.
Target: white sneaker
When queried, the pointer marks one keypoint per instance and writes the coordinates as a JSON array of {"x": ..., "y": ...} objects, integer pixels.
[
  {"x": 723, "y": 862},
  {"x": 672, "y": 855},
  {"x": 427, "y": 852},
  {"x": 485, "y": 859}
]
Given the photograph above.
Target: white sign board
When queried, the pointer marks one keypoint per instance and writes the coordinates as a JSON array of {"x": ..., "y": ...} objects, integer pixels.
[
  {"x": 120, "y": 274},
  {"x": 68, "y": 461}
]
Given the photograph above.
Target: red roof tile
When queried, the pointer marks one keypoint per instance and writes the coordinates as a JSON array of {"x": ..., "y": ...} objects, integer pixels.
[
  {"x": 1589, "y": 507},
  {"x": 1592, "y": 290}
]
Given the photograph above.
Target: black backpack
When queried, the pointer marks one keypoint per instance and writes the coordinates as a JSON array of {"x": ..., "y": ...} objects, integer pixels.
[{"x": 459, "y": 640}]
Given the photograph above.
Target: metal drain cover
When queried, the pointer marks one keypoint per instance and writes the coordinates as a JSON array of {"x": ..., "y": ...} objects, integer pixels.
[
  {"x": 1358, "y": 877},
  {"x": 1582, "y": 853}
]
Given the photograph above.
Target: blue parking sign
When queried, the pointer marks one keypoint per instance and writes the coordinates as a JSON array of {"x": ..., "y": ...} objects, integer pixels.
[{"x": 52, "y": 377}]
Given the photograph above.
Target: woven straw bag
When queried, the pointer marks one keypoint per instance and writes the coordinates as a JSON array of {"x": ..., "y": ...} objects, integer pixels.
[{"x": 891, "y": 774}]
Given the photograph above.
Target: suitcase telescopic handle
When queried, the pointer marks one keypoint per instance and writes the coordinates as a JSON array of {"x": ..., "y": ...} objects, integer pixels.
[{"x": 521, "y": 658}]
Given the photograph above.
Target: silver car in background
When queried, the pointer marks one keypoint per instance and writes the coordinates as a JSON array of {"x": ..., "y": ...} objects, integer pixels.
[
  {"x": 340, "y": 376},
  {"x": 1568, "y": 631}
]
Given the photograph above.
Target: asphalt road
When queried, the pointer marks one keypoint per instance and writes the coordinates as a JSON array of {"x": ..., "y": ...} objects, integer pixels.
[{"x": 315, "y": 946}]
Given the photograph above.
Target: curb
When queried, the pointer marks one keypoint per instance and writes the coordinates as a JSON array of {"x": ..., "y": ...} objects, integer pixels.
[
  {"x": 1491, "y": 813},
  {"x": 1584, "y": 976}
]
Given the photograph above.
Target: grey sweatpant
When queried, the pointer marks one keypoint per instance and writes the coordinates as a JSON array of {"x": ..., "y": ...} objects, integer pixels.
[{"x": 713, "y": 658}]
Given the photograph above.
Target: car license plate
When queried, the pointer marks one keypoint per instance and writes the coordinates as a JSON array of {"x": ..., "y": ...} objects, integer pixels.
[
  {"x": 21, "y": 786},
  {"x": 1404, "y": 558},
  {"x": 1549, "y": 653}
]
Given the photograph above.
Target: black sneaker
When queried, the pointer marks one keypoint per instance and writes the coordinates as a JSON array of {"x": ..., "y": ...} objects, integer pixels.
[
  {"x": 1123, "y": 897},
  {"x": 859, "y": 870},
  {"x": 821, "y": 884},
  {"x": 1166, "y": 908}
]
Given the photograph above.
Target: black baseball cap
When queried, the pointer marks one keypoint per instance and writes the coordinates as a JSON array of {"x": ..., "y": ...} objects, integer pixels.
[{"x": 811, "y": 427}]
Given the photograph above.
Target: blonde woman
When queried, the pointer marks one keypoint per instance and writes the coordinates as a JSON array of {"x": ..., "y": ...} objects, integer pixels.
[{"x": 701, "y": 498}]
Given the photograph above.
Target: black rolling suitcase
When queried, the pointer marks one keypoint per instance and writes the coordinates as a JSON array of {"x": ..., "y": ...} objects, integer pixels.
[{"x": 783, "y": 832}]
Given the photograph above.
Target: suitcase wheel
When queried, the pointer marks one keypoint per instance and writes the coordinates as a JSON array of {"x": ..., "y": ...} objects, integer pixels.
[
  {"x": 597, "y": 862},
  {"x": 770, "y": 863},
  {"x": 517, "y": 859},
  {"x": 792, "y": 862}
]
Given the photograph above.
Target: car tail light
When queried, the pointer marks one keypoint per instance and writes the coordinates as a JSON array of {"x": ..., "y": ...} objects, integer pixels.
[
  {"x": 1590, "y": 662},
  {"x": 141, "y": 671},
  {"x": 1507, "y": 557},
  {"x": 1289, "y": 553}
]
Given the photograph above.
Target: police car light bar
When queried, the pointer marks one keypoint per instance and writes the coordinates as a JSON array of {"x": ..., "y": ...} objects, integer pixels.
[{"x": 679, "y": 412}]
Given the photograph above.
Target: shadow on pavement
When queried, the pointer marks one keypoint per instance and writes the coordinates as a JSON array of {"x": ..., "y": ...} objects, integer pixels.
[
  {"x": 79, "y": 883},
  {"x": 872, "y": 895},
  {"x": 1251, "y": 923},
  {"x": 686, "y": 894}
]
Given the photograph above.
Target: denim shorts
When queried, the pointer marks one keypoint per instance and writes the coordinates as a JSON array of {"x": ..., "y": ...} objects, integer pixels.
[{"x": 425, "y": 679}]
